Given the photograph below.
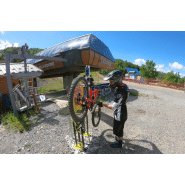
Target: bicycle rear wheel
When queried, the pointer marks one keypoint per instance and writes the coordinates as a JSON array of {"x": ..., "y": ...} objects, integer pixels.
[
  {"x": 77, "y": 94},
  {"x": 96, "y": 115}
]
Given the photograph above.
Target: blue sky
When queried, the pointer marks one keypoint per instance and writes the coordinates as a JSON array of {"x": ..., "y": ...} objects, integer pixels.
[{"x": 165, "y": 48}]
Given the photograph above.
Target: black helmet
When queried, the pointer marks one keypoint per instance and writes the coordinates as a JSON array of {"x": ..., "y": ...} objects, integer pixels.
[{"x": 116, "y": 76}]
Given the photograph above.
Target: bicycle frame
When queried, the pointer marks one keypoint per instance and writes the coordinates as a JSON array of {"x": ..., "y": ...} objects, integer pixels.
[{"x": 92, "y": 97}]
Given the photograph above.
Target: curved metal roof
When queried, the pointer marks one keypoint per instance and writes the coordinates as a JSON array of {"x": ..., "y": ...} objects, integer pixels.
[{"x": 81, "y": 43}]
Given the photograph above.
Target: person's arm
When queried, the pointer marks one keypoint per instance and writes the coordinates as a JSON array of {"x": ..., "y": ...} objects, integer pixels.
[{"x": 108, "y": 106}]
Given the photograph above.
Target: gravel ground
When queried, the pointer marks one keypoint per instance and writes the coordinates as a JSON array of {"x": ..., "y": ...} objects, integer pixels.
[{"x": 155, "y": 125}]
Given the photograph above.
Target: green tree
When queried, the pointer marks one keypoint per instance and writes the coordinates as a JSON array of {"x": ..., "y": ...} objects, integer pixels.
[
  {"x": 120, "y": 65},
  {"x": 148, "y": 70},
  {"x": 161, "y": 75},
  {"x": 14, "y": 50},
  {"x": 171, "y": 77}
]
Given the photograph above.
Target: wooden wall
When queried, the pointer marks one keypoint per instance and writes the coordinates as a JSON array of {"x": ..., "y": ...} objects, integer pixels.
[
  {"x": 96, "y": 60},
  {"x": 4, "y": 89}
]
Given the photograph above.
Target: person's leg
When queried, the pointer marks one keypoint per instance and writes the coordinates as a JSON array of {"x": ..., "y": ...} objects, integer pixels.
[
  {"x": 118, "y": 131},
  {"x": 120, "y": 138}
]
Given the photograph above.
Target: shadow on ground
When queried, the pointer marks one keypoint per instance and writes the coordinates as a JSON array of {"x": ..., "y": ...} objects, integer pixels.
[
  {"x": 46, "y": 116},
  {"x": 100, "y": 145},
  {"x": 132, "y": 98}
]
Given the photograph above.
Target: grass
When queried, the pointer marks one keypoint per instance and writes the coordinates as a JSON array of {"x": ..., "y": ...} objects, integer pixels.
[
  {"x": 55, "y": 85},
  {"x": 41, "y": 116},
  {"x": 27, "y": 145},
  {"x": 20, "y": 122},
  {"x": 134, "y": 94},
  {"x": 102, "y": 99},
  {"x": 144, "y": 95},
  {"x": 93, "y": 74},
  {"x": 97, "y": 83}
]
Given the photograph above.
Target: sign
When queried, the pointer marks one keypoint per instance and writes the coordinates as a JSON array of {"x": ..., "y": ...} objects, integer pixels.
[
  {"x": 87, "y": 71},
  {"x": 42, "y": 97},
  {"x": 131, "y": 76}
]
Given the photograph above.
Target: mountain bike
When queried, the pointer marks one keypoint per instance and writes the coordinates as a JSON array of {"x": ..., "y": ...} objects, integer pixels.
[{"x": 82, "y": 98}]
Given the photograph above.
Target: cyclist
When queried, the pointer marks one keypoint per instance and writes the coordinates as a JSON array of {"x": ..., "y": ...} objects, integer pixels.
[{"x": 119, "y": 106}]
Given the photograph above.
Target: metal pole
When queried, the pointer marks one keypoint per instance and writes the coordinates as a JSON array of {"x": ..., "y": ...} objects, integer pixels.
[
  {"x": 82, "y": 133},
  {"x": 75, "y": 132},
  {"x": 9, "y": 83},
  {"x": 27, "y": 92},
  {"x": 26, "y": 82},
  {"x": 25, "y": 64}
]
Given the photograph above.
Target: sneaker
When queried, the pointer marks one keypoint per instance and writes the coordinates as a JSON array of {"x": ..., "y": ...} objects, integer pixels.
[
  {"x": 115, "y": 145},
  {"x": 117, "y": 138}
]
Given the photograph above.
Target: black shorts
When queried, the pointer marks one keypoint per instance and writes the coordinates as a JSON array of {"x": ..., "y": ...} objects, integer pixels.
[{"x": 119, "y": 125}]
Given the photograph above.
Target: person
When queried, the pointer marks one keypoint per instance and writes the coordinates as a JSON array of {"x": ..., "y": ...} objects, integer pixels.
[{"x": 121, "y": 93}]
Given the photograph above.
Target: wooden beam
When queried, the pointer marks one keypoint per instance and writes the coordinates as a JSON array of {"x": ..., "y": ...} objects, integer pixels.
[
  {"x": 37, "y": 108},
  {"x": 37, "y": 57},
  {"x": 27, "y": 75}
]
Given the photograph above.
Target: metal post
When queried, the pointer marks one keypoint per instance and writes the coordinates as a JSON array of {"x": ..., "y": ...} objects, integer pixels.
[
  {"x": 82, "y": 134},
  {"x": 24, "y": 50},
  {"x": 74, "y": 127},
  {"x": 25, "y": 64},
  {"x": 9, "y": 83},
  {"x": 27, "y": 92}
]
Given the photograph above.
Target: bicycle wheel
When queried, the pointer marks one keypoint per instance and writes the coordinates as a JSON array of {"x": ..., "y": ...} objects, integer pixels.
[
  {"x": 96, "y": 115},
  {"x": 77, "y": 94}
]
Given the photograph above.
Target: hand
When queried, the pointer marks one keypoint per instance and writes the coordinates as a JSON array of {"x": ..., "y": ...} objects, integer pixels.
[{"x": 108, "y": 106}]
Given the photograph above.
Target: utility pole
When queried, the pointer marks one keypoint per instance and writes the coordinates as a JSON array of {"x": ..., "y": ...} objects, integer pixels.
[
  {"x": 24, "y": 52},
  {"x": 9, "y": 82}
]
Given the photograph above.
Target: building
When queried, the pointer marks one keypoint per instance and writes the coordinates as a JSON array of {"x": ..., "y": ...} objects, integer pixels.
[
  {"x": 79, "y": 52},
  {"x": 133, "y": 73},
  {"x": 17, "y": 77}
]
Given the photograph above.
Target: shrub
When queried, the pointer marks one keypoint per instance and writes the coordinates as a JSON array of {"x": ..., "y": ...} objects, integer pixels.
[{"x": 20, "y": 122}]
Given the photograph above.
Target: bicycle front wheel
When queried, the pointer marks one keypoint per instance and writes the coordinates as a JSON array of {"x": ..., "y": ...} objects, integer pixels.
[{"x": 77, "y": 94}]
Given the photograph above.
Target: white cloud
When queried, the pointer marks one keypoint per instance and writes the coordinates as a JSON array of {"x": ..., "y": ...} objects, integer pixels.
[
  {"x": 176, "y": 66},
  {"x": 167, "y": 71},
  {"x": 181, "y": 75},
  {"x": 139, "y": 62},
  {"x": 5, "y": 44},
  {"x": 160, "y": 68},
  {"x": 2, "y": 32},
  {"x": 15, "y": 45}
]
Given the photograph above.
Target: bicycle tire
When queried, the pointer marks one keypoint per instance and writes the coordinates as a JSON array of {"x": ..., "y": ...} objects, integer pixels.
[
  {"x": 74, "y": 84},
  {"x": 94, "y": 114}
]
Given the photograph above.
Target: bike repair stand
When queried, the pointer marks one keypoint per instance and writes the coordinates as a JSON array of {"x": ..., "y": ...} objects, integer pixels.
[{"x": 80, "y": 130}]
